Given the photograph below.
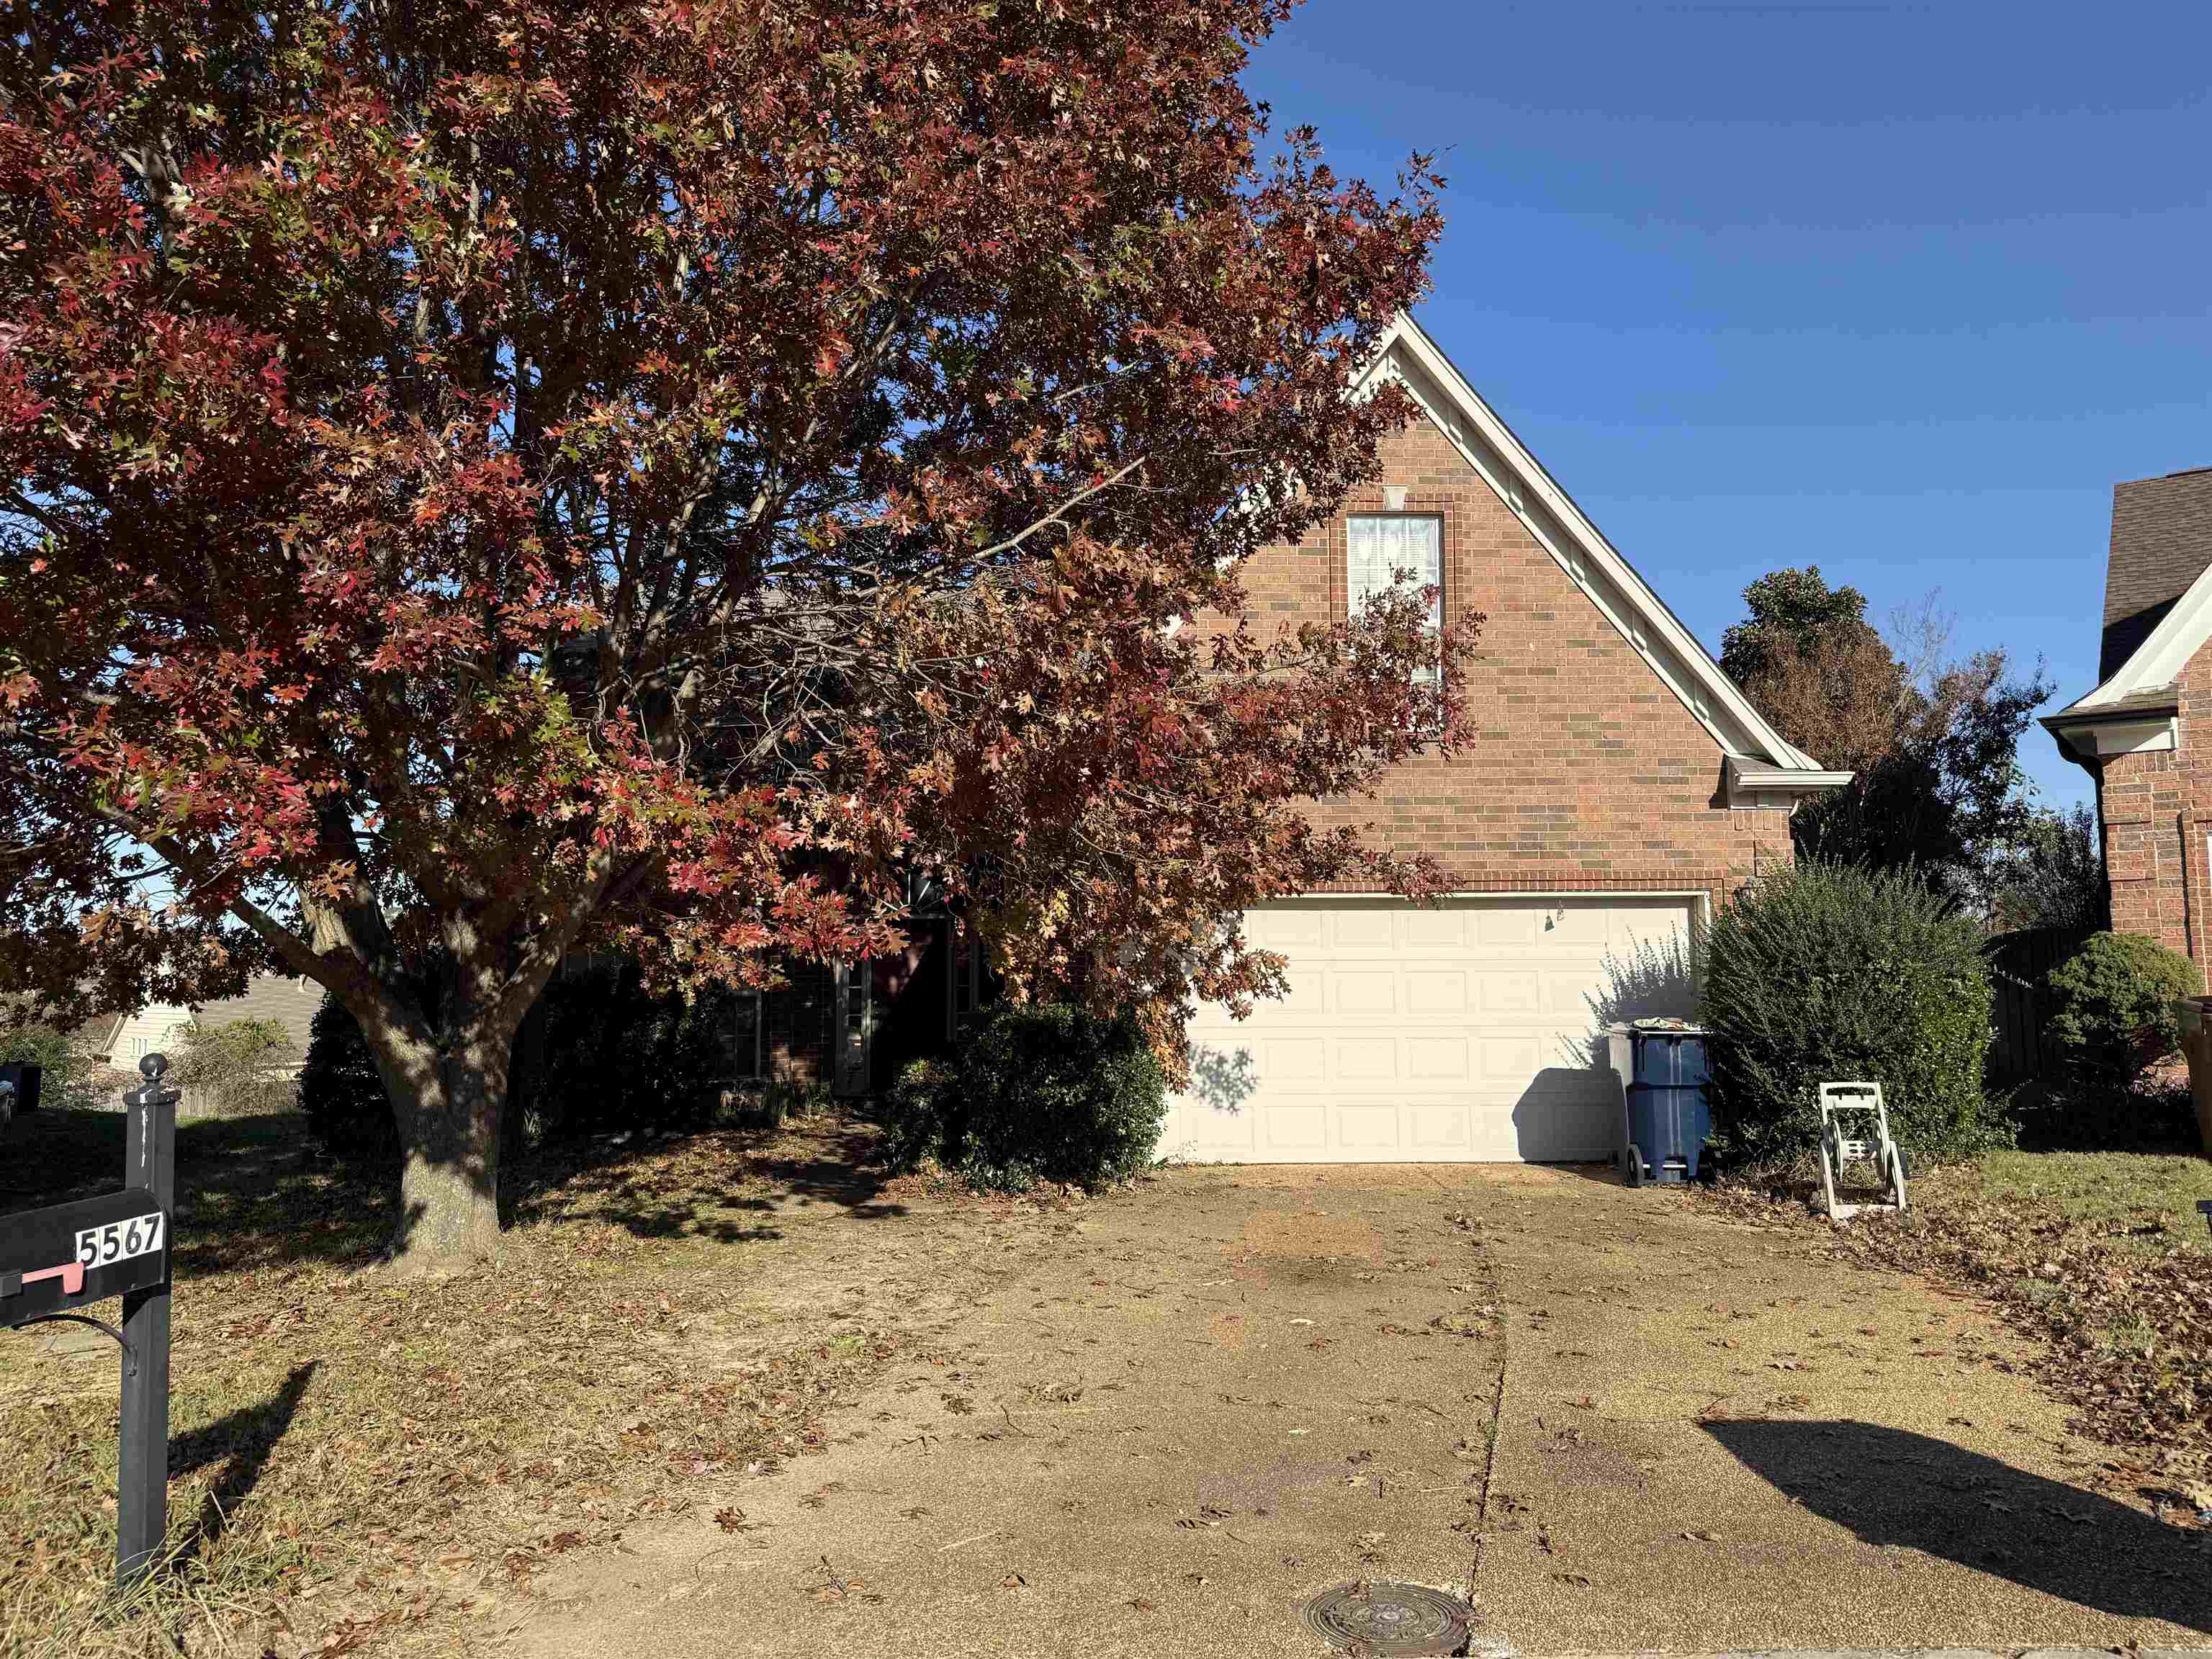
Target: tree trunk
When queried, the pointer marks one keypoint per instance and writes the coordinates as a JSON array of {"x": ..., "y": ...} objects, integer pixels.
[{"x": 447, "y": 1097}]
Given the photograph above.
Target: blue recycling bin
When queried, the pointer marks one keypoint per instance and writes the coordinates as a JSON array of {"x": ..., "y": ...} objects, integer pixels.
[{"x": 1668, "y": 1115}]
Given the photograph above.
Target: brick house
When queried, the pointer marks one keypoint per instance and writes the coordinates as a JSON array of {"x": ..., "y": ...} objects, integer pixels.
[
  {"x": 1618, "y": 787},
  {"x": 2145, "y": 733}
]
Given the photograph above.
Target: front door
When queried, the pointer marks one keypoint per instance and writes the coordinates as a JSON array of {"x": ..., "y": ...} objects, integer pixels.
[{"x": 855, "y": 1013}]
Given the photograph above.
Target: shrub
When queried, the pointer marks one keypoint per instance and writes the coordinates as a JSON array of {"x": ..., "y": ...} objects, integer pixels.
[
  {"x": 615, "y": 1057},
  {"x": 609, "y": 1056},
  {"x": 1829, "y": 973},
  {"x": 65, "y": 1073},
  {"x": 2112, "y": 1006},
  {"x": 916, "y": 1111},
  {"x": 341, "y": 1093},
  {"x": 234, "y": 1067},
  {"x": 1045, "y": 1093},
  {"x": 2075, "y": 1114}
]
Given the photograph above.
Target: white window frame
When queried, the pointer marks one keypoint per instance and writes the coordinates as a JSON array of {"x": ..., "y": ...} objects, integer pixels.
[
  {"x": 855, "y": 978},
  {"x": 1356, "y": 592},
  {"x": 964, "y": 976}
]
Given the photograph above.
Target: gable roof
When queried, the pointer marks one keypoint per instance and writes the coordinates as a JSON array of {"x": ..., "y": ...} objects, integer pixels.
[
  {"x": 2161, "y": 544},
  {"x": 1758, "y": 756},
  {"x": 2158, "y": 606}
]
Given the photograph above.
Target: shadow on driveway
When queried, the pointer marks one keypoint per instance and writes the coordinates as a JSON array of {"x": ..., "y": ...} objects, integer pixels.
[{"x": 1895, "y": 1488}]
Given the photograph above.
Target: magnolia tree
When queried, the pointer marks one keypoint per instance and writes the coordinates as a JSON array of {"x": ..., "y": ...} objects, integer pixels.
[{"x": 486, "y": 479}]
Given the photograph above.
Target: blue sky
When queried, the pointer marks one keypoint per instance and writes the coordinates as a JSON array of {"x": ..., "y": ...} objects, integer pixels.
[{"x": 1901, "y": 291}]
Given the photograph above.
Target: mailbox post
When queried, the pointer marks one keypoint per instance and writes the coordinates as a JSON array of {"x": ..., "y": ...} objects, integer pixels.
[
  {"x": 55, "y": 1262},
  {"x": 142, "y": 1496}
]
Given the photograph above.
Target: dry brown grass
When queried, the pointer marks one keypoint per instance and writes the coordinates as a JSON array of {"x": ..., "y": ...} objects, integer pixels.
[{"x": 358, "y": 1459}]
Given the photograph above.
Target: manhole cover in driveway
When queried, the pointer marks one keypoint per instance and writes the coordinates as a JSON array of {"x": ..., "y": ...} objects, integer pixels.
[{"x": 1400, "y": 1619}]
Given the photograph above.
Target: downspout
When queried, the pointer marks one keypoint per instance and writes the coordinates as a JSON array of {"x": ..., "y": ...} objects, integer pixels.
[{"x": 2188, "y": 822}]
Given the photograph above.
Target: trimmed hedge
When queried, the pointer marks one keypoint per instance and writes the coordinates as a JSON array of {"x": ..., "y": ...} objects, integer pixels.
[
  {"x": 2112, "y": 1006},
  {"x": 1829, "y": 973},
  {"x": 1040, "y": 1094}
]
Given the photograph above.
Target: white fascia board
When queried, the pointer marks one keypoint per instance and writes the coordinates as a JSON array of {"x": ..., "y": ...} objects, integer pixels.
[
  {"x": 1785, "y": 777},
  {"x": 1581, "y": 549},
  {"x": 2160, "y": 658},
  {"x": 2104, "y": 739}
]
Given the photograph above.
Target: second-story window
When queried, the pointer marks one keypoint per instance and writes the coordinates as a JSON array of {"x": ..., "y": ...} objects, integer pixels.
[{"x": 1381, "y": 548}]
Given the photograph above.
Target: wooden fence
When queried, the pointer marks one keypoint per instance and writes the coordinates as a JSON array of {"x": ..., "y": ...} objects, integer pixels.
[{"x": 2020, "y": 1045}]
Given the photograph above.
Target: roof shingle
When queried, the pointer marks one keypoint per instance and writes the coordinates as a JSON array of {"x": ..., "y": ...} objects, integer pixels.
[{"x": 2161, "y": 542}]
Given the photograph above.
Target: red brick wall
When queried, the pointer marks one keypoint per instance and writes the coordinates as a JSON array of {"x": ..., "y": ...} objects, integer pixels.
[
  {"x": 2156, "y": 809},
  {"x": 1585, "y": 770}
]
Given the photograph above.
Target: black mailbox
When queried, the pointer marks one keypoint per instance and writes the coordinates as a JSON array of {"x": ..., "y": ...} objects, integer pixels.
[
  {"x": 67, "y": 1255},
  {"x": 55, "y": 1263}
]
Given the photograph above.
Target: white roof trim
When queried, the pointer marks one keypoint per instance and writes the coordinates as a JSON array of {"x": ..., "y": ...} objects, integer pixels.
[
  {"x": 1595, "y": 566},
  {"x": 1753, "y": 776},
  {"x": 2162, "y": 657}
]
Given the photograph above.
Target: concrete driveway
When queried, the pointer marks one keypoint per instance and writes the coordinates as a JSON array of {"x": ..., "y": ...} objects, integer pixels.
[{"x": 1609, "y": 1419}]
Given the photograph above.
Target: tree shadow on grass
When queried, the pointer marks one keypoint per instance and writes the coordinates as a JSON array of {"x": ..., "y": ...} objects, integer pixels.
[
  {"x": 251, "y": 1191},
  {"x": 727, "y": 1185},
  {"x": 256, "y": 1192},
  {"x": 1895, "y": 1488},
  {"x": 243, "y": 1441}
]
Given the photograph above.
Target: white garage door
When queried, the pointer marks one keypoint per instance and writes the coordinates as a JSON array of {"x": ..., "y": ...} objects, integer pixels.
[{"x": 1455, "y": 1034}]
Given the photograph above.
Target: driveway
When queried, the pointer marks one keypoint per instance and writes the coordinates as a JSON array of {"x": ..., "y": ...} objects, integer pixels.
[{"x": 1230, "y": 1390}]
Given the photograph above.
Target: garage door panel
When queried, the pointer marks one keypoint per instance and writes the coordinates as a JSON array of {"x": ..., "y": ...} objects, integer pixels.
[
  {"x": 1290, "y": 927},
  {"x": 1435, "y": 1058},
  {"x": 1632, "y": 925},
  {"x": 1509, "y": 926},
  {"x": 1509, "y": 991},
  {"x": 1456, "y": 1033},
  {"x": 1305, "y": 994},
  {"x": 1294, "y": 1062},
  {"x": 1369, "y": 1129},
  {"x": 1435, "y": 992},
  {"x": 1568, "y": 992},
  {"x": 1295, "y": 1127},
  {"x": 1435, "y": 930},
  {"x": 1439, "y": 1131},
  {"x": 1372, "y": 928},
  {"x": 1363, "y": 991},
  {"x": 1509, "y": 1056},
  {"x": 1365, "y": 1060}
]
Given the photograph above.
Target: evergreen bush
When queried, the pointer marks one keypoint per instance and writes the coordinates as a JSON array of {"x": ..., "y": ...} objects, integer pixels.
[
  {"x": 1832, "y": 973},
  {"x": 2112, "y": 1006},
  {"x": 1043, "y": 1093},
  {"x": 342, "y": 1095}
]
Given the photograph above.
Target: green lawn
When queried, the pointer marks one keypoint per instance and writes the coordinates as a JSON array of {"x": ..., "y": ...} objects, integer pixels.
[{"x": 2146, "y": 1199}]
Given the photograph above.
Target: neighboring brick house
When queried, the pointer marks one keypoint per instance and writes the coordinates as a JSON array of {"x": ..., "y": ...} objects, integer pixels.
[
  {"x": 2145, "y": 733},
  {"x": 1617, "y": 787}
]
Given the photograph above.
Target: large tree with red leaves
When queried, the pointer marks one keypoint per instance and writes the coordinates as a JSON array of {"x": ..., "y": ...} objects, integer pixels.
[{"x": 664, "y": 474}]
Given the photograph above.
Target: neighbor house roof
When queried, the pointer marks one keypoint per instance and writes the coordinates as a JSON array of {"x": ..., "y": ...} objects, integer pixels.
[
  {"x": 1759, "y": 758},
  {"x": 2161, "y": 544},
  {"x": 2158, "y": 613}
]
